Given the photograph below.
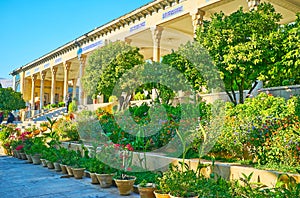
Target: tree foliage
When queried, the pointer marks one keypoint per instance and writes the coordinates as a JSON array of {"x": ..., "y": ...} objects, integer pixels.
[
  {"x": 194, "y": 61},
  {"x": 106, "y": 65},
  {"x": 290, "y": 63},
  {"x": 11, "y": 100},
  {"x": 182, "y": 64},
  {"x": 240, "y": 46}
]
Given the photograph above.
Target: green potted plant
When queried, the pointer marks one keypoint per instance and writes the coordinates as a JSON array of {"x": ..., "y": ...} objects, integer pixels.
[
  {"x": 162, "y": 186},
  {"x": 77, "y": 169},
  {"x": 123, "y": 181},
  {"x": 180, "y": 183},
  {"x": 105, "y": 174},
  {"x": 91, "y": 166},
  {"x": 36, "y": 149},
  {"x": 146, "y": 189}
]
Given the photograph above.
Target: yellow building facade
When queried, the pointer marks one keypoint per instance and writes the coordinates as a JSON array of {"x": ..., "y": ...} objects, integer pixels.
[{"x": 156, "y": 29}]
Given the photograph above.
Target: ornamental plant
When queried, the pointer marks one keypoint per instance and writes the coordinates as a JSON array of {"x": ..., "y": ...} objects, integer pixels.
[
  {"x": 6, "y": 131},
  {"x": 276, "y": 141},
  {"x": 178, "y": 182},
  {"x": 117, "y": 156},
  {"x": 246, "y": 126}
]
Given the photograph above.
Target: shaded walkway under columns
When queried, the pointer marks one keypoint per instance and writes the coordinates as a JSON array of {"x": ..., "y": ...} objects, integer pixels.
[{"x": 19, "y": 179}]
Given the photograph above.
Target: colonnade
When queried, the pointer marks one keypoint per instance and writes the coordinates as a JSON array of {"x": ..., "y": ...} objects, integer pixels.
[{"x": 56, "y": 75}]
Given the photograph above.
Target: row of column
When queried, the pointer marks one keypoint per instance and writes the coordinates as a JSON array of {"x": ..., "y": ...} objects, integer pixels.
[
  {"x": 197, "y": 20},
  {"x": 53, "y": 70}
]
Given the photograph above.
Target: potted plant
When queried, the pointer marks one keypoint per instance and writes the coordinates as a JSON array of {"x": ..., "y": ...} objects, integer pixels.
[
  {"x": 73, "y": 162},
  {"x": 146, "y": 189},
  {"x": 105, "y": 174},
  {"x": 62, "y": 155},
  {"x": 162, "y": 186},
  {"x": 78, "y": 172},
  {"x": 124, "y": 182},
  {"x": 91, "y": 166},
  {"x": 44, "y": 126},
  {"x": 179, "y": 182},
  {"x": 37, "y": 147}
]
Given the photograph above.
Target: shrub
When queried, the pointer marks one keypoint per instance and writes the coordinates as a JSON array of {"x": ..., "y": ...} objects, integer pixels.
[
  {"x": 73, "y": 107},
  {"x": 262, "y": 129},
  {"x": 112, "y": 99},
  {"x": 140, "y": 114},
  {"x": 139, "y": 96},
  {"x": 61, "y": 104},
  {"x": 66, "y": 129}
]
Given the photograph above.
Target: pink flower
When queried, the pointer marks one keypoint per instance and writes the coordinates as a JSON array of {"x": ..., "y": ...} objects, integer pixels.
[
  {"x": 129, "y": 147},
  {"x": 129, "y": 169},
  {"x": 117, "y": 146},
  {"x": 20, "y": 147}
]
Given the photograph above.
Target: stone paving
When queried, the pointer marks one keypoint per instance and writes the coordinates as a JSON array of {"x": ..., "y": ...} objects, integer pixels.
[{"x": 19, "y": 179}]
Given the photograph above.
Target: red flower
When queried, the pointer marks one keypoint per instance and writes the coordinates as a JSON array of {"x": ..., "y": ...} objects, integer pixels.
[
  {"x": 129, "y": 169},
  {"x": 129, "y": 147},
  {"x": 298, "y": 148},
  {"x": 20, "y": 147}
]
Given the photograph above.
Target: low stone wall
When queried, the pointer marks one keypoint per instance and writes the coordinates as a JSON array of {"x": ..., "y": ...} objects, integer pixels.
[
  {"x": 283, "y": 91},
  {"x": 229, "y": 171}
]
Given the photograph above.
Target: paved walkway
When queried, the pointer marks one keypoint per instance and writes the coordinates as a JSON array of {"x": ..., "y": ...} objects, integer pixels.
[{"x": 19, "y": 179}]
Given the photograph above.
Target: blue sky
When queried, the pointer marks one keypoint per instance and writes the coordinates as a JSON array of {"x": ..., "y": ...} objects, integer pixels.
[{"x": 32, "y": 28}]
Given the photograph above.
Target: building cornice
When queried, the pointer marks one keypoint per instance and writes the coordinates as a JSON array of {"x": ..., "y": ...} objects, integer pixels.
[{"x": 101, "y": 31}]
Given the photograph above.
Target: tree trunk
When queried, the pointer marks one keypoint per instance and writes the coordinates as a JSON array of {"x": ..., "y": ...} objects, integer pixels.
[
  {"x": 230, "y": 97},
  {"x": 241, "y": 91},
  {"x": 252, "y": 88}
]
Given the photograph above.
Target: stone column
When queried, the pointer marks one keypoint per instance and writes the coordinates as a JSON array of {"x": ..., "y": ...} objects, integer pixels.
[
  {"x": 22, "y": 82},
  {"x": 197, "y": 19},
  {"x": 156, "y": 37},
  {"x": 74, "y": 88},
  {"x": 252, "y": 4},
  {"x": 53, "y": 84},
  {"x": 33, "y": 80},
  {"x": 82, "y": 60},
  {"x": 67, "y": 66},
  {"x": 14, "y": 83},
  {"x": 43, "y": 75}
]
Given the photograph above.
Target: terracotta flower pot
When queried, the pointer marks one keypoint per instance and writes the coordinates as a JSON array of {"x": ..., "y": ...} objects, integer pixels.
[
  {"x": 44, "y": 162},
  {"x": 29, "y": 159},
  {"x": 23, "y": 156},
  {"x": 125, "y": 186},
  {"x": 147, "y": 191},
  {"x": 18, "y": 154},
  {"x": 36, "y": 159},
  {"x": 57, "y": 167},
  {"x": 78, "y": 172},
  {"x": 94, "y": 178},
  {"x": 15, "y": 153},
  {"x": 63, "y": 169},
  {"x": 160, "y": 194},
  {"x": 50, "y": 165},
  {"x": 105, "y": 180},
  {"x": 70, "y": 171}
]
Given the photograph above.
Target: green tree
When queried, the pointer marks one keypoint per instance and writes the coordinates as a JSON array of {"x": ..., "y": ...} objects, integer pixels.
[
  {"x": 240, "y": 46},
  {"x": 11, "y": 100},
  {"x": 290, "y": 64},
  {"x": 195, "y": 63},
  {"x": 106, "y": 65},
  {"x": 182, "y": 64}
]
